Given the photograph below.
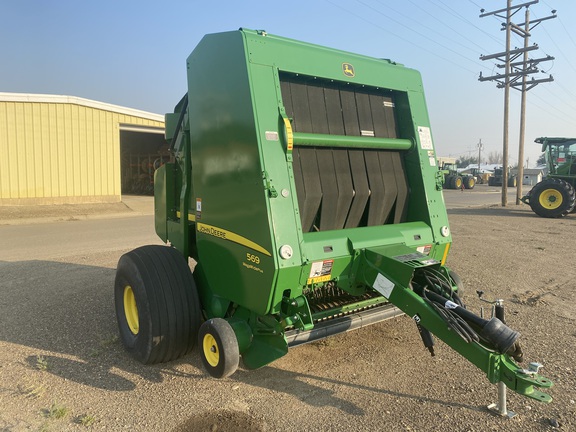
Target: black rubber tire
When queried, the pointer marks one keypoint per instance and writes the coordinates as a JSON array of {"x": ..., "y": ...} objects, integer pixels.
[
  {"x": 469, "y": 182},
  {"x": 572, "y": 192},
  {"x": 447, "y": 182},
  {"x": 491, "y": 181},
  {"x": 552, "y": 198},
  {"x": 512, "y": 182},
  {"x": 459, "y": 284},
  {"x": 455, "y": 182},
  {"x": 156, "y": 284},
  {"x": 218, "y": 348},
  {"x": 457, "y": 281}
]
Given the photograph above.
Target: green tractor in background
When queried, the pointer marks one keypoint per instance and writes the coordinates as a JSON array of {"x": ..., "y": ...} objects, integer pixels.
[
  {"x": 498, "y": 176},
  {"x": 454, "y": 180},
  {"x": 555, "y": 196}
]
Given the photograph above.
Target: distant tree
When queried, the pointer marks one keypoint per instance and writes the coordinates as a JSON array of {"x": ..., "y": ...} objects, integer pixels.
[
  {"x": 463, "y": 162},
  {"x": 541, "y": 159},
  {"x": 494, "y": 157}
]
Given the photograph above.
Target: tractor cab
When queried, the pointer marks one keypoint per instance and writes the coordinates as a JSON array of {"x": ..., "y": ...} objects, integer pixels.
[{"x": 560, "y": 155}]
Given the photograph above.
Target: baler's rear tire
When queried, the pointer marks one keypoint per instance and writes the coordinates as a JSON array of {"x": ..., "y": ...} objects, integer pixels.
[
  {"x": 552, "y": 198},
  {"x": 157, "y": 304},
  {"x": 219, "y": 348}
]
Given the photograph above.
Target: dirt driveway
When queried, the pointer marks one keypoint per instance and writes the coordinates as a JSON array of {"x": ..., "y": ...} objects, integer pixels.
[{"x": 62, "y": 366}]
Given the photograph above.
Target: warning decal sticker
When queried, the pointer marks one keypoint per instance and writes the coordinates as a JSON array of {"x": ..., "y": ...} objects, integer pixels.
[{"x": 320, "y": 271}]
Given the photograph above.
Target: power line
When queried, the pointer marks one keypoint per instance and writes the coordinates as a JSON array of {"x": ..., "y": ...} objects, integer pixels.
[
  {"x": 427, "y": 37},
  {"x": 443, "y": 22},
  {"x": 567, "y": 58},
  {"x": 456, "y": 14},
  {"x": 433, "y": 29},
  {"x": 516, "y": 75},
  {"x": 419, "y": 46}
]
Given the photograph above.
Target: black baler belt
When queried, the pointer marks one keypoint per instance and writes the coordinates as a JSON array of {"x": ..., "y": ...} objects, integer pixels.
[
  {"x": 377, "y": 205},
  {"x": 389, "y": 180},
  {"x": 312, "y": 187},
  {"x": 298, "y": 181},
  {"x": 329, "y": 190},
  {"x": 402, "y": 187},
  {"x": 345, "y": 187},
  {"x": 361, "y": 189}
]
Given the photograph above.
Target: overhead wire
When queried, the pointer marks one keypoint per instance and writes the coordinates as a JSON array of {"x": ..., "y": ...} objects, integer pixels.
[
  {"x": 541, "y": 105},
  {"x": 569, "y": 34},
  {"x": 566, "y": 57},
  {"x": 433, "y": 30},
  {"x": 455, "y": 13},
  {"x": 427, "y": 37},
  {"x": 419, "y": 46}
]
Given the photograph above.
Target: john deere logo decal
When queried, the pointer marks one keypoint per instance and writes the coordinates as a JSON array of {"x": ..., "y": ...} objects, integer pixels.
[{"x": 348, "y": 70}]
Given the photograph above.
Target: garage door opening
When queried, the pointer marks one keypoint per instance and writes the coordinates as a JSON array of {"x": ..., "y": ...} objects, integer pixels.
[{"x": 142, "y": 151}]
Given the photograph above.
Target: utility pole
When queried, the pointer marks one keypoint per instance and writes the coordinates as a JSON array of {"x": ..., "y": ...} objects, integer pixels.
[
  {"x": 525, "y": 33},
  {"x": 480, "y": 145},
  {"x": 512, "y": 74}
]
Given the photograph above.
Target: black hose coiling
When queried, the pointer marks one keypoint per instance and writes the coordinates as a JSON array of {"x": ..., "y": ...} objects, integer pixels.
[{"x": 436, "y": 290}]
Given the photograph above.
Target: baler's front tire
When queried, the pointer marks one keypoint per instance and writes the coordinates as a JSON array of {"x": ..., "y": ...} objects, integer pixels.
[
  {"x": 156, "y": 303},
  {"x": 219, "y": 348},
  {"x": 459, "y": 284}
]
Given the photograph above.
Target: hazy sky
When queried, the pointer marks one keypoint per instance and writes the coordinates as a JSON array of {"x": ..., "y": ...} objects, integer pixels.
[{"x": 133, "y": 53}]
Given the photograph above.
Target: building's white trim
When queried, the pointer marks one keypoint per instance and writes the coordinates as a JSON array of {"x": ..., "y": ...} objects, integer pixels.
[
  {"x": 63, "y": 99},
  {"x": 141, "y": 128}
]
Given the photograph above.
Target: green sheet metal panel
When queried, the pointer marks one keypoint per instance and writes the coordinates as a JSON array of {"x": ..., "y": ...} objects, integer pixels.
[{"x": 245, "y": 198}]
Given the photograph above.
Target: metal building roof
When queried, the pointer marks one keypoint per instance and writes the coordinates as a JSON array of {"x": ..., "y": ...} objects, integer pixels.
[{"x": 63, "y": 99}]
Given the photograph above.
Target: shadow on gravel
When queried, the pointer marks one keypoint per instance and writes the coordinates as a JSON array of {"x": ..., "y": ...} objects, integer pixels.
[
  {"x": 222, "y": 421},
  {"x": 65, "y": 312},
  {"x": 512, "y": 210},
  {"x": 295, "y": 383}
]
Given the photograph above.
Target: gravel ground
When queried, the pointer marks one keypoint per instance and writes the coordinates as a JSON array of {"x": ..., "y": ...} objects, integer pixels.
[{"x": 63, "y": 368}]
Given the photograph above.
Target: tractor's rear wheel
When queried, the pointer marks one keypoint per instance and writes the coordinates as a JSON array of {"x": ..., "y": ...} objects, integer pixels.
[
  {"x": 456, "y": 182},
  {"x": 469, "y": 182},
  {"x": 157, "y": 304},
  {"x": 219, "y": 348},
  {"x": 552, "y": 198},
  {"x": 512, "y": 182}
]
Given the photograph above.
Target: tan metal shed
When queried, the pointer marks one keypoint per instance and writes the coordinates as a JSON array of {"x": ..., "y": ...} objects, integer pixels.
[{"x": 65, "y": 149}]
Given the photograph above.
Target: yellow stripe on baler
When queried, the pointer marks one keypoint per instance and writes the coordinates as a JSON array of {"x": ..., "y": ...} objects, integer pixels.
[
  {"x": 230, "y": 236},
  {"x": 445, "y": 253}
]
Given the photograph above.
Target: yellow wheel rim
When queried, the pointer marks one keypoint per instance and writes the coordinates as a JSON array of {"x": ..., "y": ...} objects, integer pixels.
[
  {"x": 458, "y": 183},
  {"x": 130, "y": 310},
  {"x": 210, "y": 348},
  {"x": 550, "y": 199}
]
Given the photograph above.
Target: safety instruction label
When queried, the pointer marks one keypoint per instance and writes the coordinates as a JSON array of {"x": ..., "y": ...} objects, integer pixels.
[
  {"x": 383, "y": 285},
  {"x": 198, "y": 209},
  {"x": 320, "y": 271},
  {"x": 425, "y": 138},
  {"x": 424, "y": 249},
  {"x": 414, "y": 256}
]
